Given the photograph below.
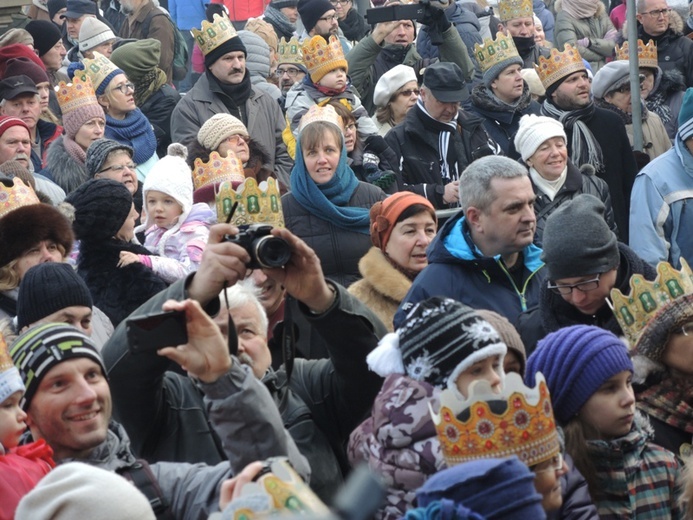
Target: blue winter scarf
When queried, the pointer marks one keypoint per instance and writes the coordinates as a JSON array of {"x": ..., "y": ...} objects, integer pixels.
[
  {"x": 136, "y": 131},
  {"x": 328, "y": 200}
]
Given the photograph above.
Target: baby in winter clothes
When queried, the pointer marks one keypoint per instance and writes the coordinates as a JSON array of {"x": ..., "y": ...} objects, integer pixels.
[{"x": 175, "y": 229}]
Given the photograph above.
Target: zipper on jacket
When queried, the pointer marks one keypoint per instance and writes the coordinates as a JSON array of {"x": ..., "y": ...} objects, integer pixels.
[{"x": 521, "y": 295}]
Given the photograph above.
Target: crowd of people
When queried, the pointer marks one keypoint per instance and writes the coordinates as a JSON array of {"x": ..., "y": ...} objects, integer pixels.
[{"x": 426, "y": 247}]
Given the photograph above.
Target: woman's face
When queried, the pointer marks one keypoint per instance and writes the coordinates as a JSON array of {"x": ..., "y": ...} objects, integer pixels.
[
  {"x": 322, "y": 160},
  {"x": 550, "y": 158},
  {"x": 539, "y": 35},
  {"x": 647, "y": 84},
  {"x": 548, "y": 484},
  {"x": 404, "y": 99},
  {"x": 44, "y": 93},
  {"x": 120, "y": 97},
  {"x": 119, "y": 167},
  {"x": 127, "y": 231},
  {"x": 43, "y": 251},
  {"x": 409, "y": 240},
  {"x": 238, "y": 144},
  {"x": 620, "y": 99},
  {"x": 678, "y": 352},
  {"x": 350, "y": 135},
  {"x": 90, "y": 132}
]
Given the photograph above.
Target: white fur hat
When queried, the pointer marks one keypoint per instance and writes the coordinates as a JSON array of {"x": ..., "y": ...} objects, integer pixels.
[
  {"x": 171, "y": 175},
  {"x": 533, "y": 131},
  {"x": 391, "y": 82}
]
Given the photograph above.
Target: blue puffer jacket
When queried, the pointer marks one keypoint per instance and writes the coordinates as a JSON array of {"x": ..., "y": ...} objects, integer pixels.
[
  {"x": 187, "y": 14},
  {"x": 466, "y": 23},
  {"x": 467, "y": 276},
  {"x": 546, "y": 17}
]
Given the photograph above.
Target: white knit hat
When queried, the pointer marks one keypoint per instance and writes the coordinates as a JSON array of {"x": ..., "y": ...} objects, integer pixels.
[
  {"x": 533, "y": 131},
  {"x": 391, "y": 82},
  {"x": 78, "y": 490},
  {"x": 218, "y": 128},
  {"x": 171, "y": 175},
  {"x": 532, "y": 79},
  {"x": 92, "y": 33}
]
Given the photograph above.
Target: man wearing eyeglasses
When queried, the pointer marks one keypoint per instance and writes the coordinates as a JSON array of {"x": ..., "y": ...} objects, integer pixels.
[
  {"x": 319, "y": 18},
  {"x": 674, "y": 50},
  {"x": 584, "y": 261}
]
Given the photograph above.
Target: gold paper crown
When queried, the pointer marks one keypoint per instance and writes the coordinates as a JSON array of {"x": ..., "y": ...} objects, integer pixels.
[
  {"x": 321, "y": 57},
  {"x": 16, "y": 196},
  {"x": 647, "y": 54},
  {"x": 647, "y": 299},
  {"x": 494, "y": 52},
  {"x": 257, "y": 204},
  {"x": 217, "y": 170},
  {"x": 290, "y": 52},
  {"x": 77, "y": 94},
  {"x": 511, "y": 9},
  {"x": 525, "y": 428},
  {"x": 213, "y": 34},
  {"x": 325, "y": 113},
  {"x": 5, "y": 358},
  {"x": 559, "y": 65}
]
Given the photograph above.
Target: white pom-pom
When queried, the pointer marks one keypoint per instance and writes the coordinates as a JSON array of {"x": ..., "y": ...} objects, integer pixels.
[
  {"x": 386, "y": 358},
  {"x": 643, "y": 367},
  {"x": 177, "y": 150}
]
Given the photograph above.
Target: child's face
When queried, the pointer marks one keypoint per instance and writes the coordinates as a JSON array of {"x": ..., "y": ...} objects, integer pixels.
[
  {"x": 511, "y": 363},
  {"x": 335, "y": 79},
  {"x": 488, "y": 369},
  {"x": 162, "y": 208},
  {"x": 12, "y": 419},
  {"x": 611, "y": 408}
]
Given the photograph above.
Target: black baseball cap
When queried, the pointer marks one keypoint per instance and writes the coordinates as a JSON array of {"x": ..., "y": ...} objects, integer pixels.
[
  {"x": 446, "y": 82},
  {"x": 14, "y": 86}
]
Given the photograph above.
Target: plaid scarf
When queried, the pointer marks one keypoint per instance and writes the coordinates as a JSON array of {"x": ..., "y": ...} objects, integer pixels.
[{"x": 670, "y": 402}]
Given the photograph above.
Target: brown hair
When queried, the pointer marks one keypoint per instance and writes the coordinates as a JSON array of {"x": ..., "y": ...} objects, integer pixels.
[
  {"x": 577, "y": 433},
  {"x": 313, "y": 135}
]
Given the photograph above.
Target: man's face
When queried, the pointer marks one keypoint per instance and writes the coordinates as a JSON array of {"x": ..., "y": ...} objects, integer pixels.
[
  {"x": 15, "y": 144},
  {"x": 508, "y": 85},
  {"x": 271, "y": 292},
  {"x": 327, "y": 24},
  {"x": 53, "y": 59},
  {"x": 654, "y": 17},
  {"x": 589, "y": 302},
  {"x": 79, "y": 316},
  {"x": 519, "y": 27},
  {"x": 507, "y": 225},
  {"x": 26, "y": 107},
  {"x": 574, "y": 92},
  {"x": 443, "y": 112},
  {"x": 230, "y": 68},
  {"x": 288, "y": 75},
  {"x": 75, "y": 24},
  {"x": 252, "y": 339},
  {"x": 403, "y": 34},
  {"x": 71, "y": 408}
]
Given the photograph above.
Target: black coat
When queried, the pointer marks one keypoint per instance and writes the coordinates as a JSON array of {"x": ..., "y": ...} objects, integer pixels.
[
  {"x": 158, "y": 109},
  {"x": 674, "y": 51}
]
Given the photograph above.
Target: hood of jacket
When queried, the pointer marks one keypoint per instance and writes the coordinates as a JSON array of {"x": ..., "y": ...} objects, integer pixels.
[
  {"x": 684, "y": 155},
  {"x": 538, "y": 6},
  {"x": 460, "y": 16},
  {"x": 669, "y": 81},
  {"x": 114, "y": 453},
  {"x": 65, "y": 171}
]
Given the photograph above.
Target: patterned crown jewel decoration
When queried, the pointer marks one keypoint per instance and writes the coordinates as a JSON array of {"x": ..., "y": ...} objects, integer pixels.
[
  {"x": 5, "y": 358},
  {"x": 257, "y": 203},
  {"x": 290, "y": 52},
  {"x": 559, "y": 65},
  {"x": 512, "y": 9},
  {"x": 325, "y": 113},
  {"x": 648, "y": 299},
  {"x": 519, "y": 421},
  {"x": 77, "y": 94},
  {"x": 647, "y": 54},
  {"x": 213, "y": 34},
  {"x": 317, "y": 51},
  {"x": 493, "y": 52},
  {"x": 218, "y": 169},
  {"x": 16, "y": 196}
]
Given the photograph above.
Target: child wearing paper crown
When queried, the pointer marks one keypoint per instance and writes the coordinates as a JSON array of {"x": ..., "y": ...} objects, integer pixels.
[
  {"x": 589, "y": 375},
  {"x": 175, "y": 229},
  {"x": 326, "y": 80},
  {"x": 443, "y": 344},
  {"x": 21, "y": 467}
]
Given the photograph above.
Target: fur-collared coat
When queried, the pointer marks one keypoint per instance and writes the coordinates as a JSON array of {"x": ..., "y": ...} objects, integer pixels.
[
  {"x": 382, "y": 287},
  {"x": 63, "y": 169}
]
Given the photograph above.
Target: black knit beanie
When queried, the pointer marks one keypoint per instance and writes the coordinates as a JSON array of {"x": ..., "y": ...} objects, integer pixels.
[
  {"x": 101, "y": 208},
  {"x": 45, "y": 33},
  {"x": 230, "y": 45},
  {"x": 311, "y": 11}
]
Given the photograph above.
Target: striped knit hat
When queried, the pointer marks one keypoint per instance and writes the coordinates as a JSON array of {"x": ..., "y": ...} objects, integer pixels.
[
  {"x": 39, "y": 349},
  {"x": 686, "y": 116}
]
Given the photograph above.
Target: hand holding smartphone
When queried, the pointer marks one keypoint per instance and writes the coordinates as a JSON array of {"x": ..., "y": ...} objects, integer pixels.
[{"x": 154, "y": 331}]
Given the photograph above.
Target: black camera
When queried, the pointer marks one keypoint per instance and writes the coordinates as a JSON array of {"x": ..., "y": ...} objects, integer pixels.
[
  {"x": 391, "y": 13},
  {"x": 264, "y": 249}
]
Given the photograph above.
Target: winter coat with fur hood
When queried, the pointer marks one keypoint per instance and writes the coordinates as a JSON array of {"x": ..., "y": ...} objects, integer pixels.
[
  {"x": 63, "y": 169},
  {"x": 570, "y": 30},
  {"x": 666, "y": 98}
]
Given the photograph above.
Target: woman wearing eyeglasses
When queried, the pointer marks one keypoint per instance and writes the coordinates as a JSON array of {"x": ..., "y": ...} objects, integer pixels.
[
  {"x": 395, "y": 93},
  {"x": 611, "y": 89},
  {"x": 352, "y": 24}
]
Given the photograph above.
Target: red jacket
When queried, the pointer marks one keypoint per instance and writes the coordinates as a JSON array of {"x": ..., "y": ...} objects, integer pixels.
[
  {"x": 20, "y": 470},
  {"x": 241, "y": 10}
]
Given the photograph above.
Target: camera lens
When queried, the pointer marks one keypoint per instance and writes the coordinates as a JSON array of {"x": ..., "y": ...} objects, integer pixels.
[{"x": 271, "y": 251}]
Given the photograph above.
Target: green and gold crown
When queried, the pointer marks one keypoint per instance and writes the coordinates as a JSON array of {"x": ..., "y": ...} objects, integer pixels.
[
  {"x": 519, "y": 421},
  {"x": 511, "y": 9},
  {"x": 77, "y": 94},
  {"x": 257, "y": 203},
  {"x": 647, "y": 54},
  {"x": 559, "y": 65},
  {"x": 290, "y": 52},
  {"x": 650, "y": 300},
  {"x": 494, "y": 52},
  {"x": 213, "y": 34},
  {"x": 16, "y": 196}
]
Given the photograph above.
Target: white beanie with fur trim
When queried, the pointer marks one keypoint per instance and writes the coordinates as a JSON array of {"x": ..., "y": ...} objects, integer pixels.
[{"x": 171, "y": 175}]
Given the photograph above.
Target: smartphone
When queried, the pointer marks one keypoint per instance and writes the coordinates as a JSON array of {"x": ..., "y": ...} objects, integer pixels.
[
  {"x": 394, "y": 12},
  {"x": 155, "y": 331}
]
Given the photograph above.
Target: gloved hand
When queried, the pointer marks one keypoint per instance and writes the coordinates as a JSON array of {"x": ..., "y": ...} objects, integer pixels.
[
  {"x": 584, "y": 42},
  {"x": 611, "y": 35},
  {"x": 434, "y": 18},
  {"x": 376, "y": 143}
]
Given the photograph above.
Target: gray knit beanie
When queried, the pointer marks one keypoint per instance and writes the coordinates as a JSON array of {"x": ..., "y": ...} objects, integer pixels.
[
  {"x": 578, "y": 241},
  {"x": 98, "y": 152},
  {"x": 492, "y": 73}
]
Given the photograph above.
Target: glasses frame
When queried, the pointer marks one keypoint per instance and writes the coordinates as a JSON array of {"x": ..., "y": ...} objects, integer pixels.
[
  {"x": 291, "y": 73},
  {"x": 340, "y": 2},
  {"x": 658, "y": 12},
  {"x": 408, "y": 92},
  {"x": 119, "y": 168},
  {"x": 561, "y": 289},
  {"x": 123, "y": 89}
]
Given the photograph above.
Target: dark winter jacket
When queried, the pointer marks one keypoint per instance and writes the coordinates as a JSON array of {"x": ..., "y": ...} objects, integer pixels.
[
  {"x": 47, "y": 133},
  {"x": 577, "y": 182},
  {"x": 112, "y": 14},
  {"x": 354, "y": 26},
  {"x": 418, "y": 149},
  {"x": 158, "y": 109},
  {"x": 63, "y": 169},
  {"x": 674, "y": 51},
  {"x": 577, "y": 503},
  {"x": 320, "y": 406},
  {"x": 666, "y": 98},
  {"x": 466, "y": 23},
  {"x": 553, "y": 312},
  {"x": 530, "y": 57},
  {"x": 478, "y": 281}
]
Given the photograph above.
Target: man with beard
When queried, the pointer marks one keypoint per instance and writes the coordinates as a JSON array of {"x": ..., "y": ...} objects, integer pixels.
[
  {"x": 595, "y": 136},
  {"x": 290, "y": 68},
  {"x": 517, "y": 20},
  {"x": 225, "y": 86},
  {"x": 319, "y": 18}
]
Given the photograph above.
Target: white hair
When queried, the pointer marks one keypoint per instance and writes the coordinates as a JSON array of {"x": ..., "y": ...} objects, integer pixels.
[{"x": 240, "y": 295}]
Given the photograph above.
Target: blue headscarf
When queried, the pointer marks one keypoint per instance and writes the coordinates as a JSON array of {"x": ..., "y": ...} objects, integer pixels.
[{"x": 328, "y": 201}]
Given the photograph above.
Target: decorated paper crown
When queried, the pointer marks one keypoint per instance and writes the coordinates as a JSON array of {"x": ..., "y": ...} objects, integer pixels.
[
  {"x": 16, "y": 196},
  {"x": 511, "y": 9},
  {"x": 524, "y": 427},
  {"x": 321, "y": 57},
  {"x": 213, "y": 34},
  {"x": 5, "y": 358},
  {"x": 326, "y": 113},
  {"x": 494, "y": 52},
  {"x": 647, "y": 54},
  {"x": 217, "y": 170},
  {"x": 290, "y": 52},
  {"x": 257, "y": 204},
  {"x": 559, "y": 65},
  {"x": 649, "y": 299},
  {"x": 99, "y": 69},
  {"x": 77, "y": 94}
]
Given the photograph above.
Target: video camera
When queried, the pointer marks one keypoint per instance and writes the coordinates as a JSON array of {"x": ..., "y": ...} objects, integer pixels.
[{"x": 390, "y": 13}]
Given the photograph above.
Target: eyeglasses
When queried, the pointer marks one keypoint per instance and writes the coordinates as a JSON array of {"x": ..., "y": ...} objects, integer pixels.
[
  {"x": 658, "y": 12},
  {"x": 350, "y": 127},
  {"x": 125, "y": 87},
  {"x": 409, "y": 92},
  {"x": 119, "y": 168},
  {"x": 687, "y": 329},
  {"x": 556, "y": 464},
  {"x": 340, "y": 2},
  {"x": 586, "y": 286},
  {"x": 291, "y": 72},
  {"x": 328, "y": 18},
  {"x": 233, "y": 139},
  {"x": 623, "y": 89}
]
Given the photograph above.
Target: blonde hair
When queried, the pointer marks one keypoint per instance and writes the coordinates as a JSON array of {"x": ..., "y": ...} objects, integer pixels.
[{"x": 9, "y": 278}]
